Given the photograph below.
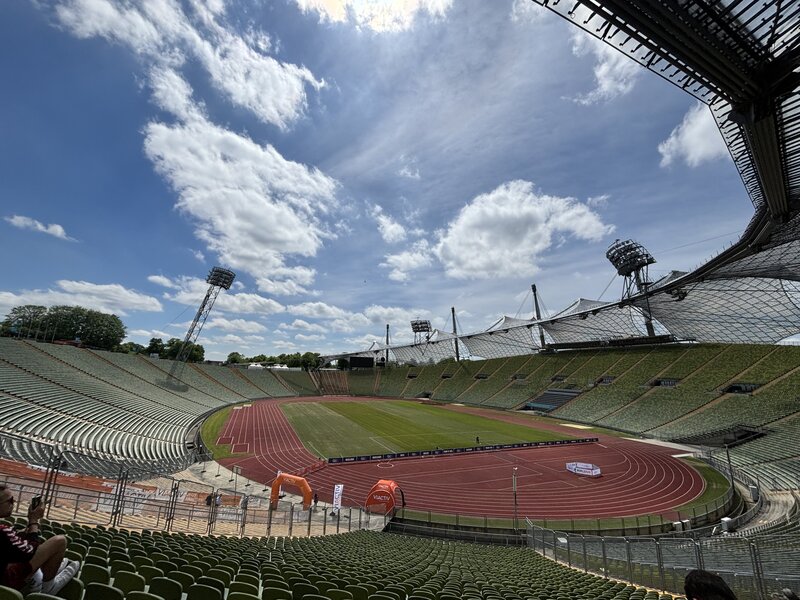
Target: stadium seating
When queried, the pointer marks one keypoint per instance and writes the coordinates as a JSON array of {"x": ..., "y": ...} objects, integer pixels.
[
  {"x": 393, "y": 381},
  {"x": 299, "y": 381},
  {"x": 265, "y": 380},
  {"x": 361, "y": 565}
]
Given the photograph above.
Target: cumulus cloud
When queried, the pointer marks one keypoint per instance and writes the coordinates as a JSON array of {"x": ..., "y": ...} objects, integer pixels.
[
  {"x": 239, "y": 325},
  {"x": 600, "y": 201},
  {"x": 163, "y": 33},
  {"x": 696, "y": 140},
  {"x": 304, "y": 337},
  {"x": 53, "y": 229},
  {"x": 615, "y": 74},
  {"x": 409, "y": 168},
  {"x": 391, "y": 231},
  {"x": 252, "y": 207},
  {"x": 419, "y": 255},
  {"x": 162, "y": 281},
  {"x": 303, "y": 326},
  {"x": 507, "y": 230},
  {"x": 378, "y": 15},
  {"x": 147, "y": 334},
  {"x": 107, "y": 298}
]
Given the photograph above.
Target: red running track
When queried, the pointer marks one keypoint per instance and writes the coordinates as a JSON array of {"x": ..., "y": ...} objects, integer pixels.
[{"x": 638, "y": 478}]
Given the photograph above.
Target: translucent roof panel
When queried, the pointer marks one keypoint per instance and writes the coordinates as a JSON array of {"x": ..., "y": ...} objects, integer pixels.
[
  {"x": 513, "y": 341},
  {"x": 748, "y": 310},
  {"x": 430, "y": 352},
  {"x": 592, "y": 320}
]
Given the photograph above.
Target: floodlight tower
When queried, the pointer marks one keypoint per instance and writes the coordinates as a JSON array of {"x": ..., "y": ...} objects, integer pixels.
[
  {"x": 420, "y": 327},
  {"x": 218, "y": 279},
  {"x": 631, "y": 260}
]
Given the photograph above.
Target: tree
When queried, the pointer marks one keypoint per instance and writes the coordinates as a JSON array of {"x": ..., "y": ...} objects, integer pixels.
[
  {"x": 173, "y": 347},
  {"x": 156, "y": 346},
  {"x": 100, "y": 330},
  {"x": 236, "y": 358},
  {"x": 24, "y": 321},
  {"x": 130, "y": 348},
  {"x": 93, "y": 328}
]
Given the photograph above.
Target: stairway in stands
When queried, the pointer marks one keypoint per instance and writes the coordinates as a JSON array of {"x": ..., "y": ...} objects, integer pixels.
[
  {"x": 552, "y": 399},
  {"x": 332, "y": 383}
]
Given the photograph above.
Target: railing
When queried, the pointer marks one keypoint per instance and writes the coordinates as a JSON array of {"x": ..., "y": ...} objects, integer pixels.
[
  {"x": 753, "y": 568},
  {"x": 180, "y": 506}
]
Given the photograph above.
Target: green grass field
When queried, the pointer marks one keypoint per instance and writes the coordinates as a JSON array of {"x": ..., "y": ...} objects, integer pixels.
[{"x": 354, "y": 428}]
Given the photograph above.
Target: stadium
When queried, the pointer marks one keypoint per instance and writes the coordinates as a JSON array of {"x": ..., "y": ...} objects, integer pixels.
[{"x": 603, "y": 451}]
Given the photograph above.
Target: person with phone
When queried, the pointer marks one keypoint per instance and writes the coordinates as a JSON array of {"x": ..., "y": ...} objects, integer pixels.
[{"x": 23, "y": 554}]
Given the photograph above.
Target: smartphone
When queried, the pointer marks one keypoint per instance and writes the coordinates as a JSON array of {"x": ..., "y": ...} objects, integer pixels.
[{"x": 35, "y": 502}]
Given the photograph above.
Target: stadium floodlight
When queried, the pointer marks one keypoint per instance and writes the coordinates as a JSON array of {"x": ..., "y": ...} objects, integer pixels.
[
  {"x": 421, "y": 326},
  {"x": 628, "y": 257},
  {"x": 219, "y": 277},
  {"x": 422, "y": 330},
  {"x": 631, "y": 260}
]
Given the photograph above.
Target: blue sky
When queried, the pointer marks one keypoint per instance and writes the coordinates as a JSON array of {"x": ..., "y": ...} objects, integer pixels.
[{"x": 355, "y": 162}]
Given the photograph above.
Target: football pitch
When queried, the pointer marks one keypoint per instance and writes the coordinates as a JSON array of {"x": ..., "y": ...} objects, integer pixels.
[{"x": 331, "y": 429}]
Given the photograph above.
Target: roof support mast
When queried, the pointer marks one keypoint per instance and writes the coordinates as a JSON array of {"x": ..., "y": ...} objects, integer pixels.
[
  {"x": 455, "y": 332},
  {"x": 537, "y": 314}
]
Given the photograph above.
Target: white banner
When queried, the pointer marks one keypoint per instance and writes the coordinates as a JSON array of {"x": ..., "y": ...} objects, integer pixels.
[
  {"x": 580, "y": 468},
  {"x": 337, "y": 496}
]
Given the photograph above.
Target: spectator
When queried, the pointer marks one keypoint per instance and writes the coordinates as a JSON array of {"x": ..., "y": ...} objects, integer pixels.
[
  {"x": 244, "y": 502},
  {"x": 21, "y": 555},
  {"x": 218, "y": 500},
  {"x": 702, "y": 585},
  {"x": 316, "y": 499}
]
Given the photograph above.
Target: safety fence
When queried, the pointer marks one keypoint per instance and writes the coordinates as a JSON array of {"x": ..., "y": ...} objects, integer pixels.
[
  {"x": 175, "y": 505},
  {"x": 753, "y": 567}
]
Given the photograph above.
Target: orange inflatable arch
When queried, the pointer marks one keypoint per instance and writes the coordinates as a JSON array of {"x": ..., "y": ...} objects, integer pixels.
[
  {"x": 382, "y": 494},
  {"x": 299, "y": 482}
]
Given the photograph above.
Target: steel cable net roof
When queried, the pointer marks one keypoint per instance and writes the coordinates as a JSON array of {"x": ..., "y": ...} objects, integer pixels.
[
  {"x": 507, "y": 337},
  {"x": 743, "y": 310},
  {"x": 440, "y": 346},
  {"x": 592, "y": 320}
]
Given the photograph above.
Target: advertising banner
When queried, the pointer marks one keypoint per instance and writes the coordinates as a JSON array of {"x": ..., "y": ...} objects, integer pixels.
[
  {"x": 580, "y": 468},
  {"x": 338, "y": 489}
]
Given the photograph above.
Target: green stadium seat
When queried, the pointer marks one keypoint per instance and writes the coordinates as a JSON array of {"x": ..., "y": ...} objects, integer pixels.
[
  {"x": 166, "y": 588},
  {"x": 185, "y": 579},
  {"x": 242, "y": 596},
  {"x": 203, "y": 592},
  {"x": 7, "y": 593},
  {"x": 94, "y": 574},
  {"x": 129, "y": 582},
  {"x": 41, "y": 596},
  {"x": 101, "y": 591},
  {"x": 73, "y": 590},
  {"x": 271, "y": 593},
  {"x": 142, "y": 596},
  {"x": 241, "y": 586}
]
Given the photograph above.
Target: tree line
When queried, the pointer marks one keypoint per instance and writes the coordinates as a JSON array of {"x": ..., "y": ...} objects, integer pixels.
[
  {"x": 306, "y": 361},
  {"x": 85, "y": 327},
  {"x": 64, "y": 323}
]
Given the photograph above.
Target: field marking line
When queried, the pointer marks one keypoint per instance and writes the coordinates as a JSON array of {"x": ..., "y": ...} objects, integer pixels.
[{"x": 377, "y": 441}]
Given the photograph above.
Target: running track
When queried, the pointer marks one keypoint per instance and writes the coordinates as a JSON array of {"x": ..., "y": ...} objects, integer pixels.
[{"x": 638, "y": 478}]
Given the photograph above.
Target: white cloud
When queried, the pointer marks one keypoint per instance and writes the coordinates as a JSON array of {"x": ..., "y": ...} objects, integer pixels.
[
  {"x": 317, "y": 310},
  {"x": 240, "y": 325},
  {"x": 160, "y": 31},
  {"x": 378, "y": 15},
  {"x": 695, "y": 141},
  {"x": 162, "y": 281},
  {"x": 303, "y": 325},
  {"x": 148, "y": 334},
  {"x": 615, "y": 74},
  {"x": 199, "y": 255},
  {"x": 391, "y": 231},
  {"x": 253, "y": 208},
  {"x": 285, "y": 345},
  {"x": 419, "y": 255},
  {"x": 409, "y": 168},
  {"x": 600, "y": 201},
  {"x": 527, "y": 11},
  {"x": 53, "y": 229},
  {"x": 505, "y": 232},
  {"x": 107, "y": 298},
  {"x": 314, "y": 337}
]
